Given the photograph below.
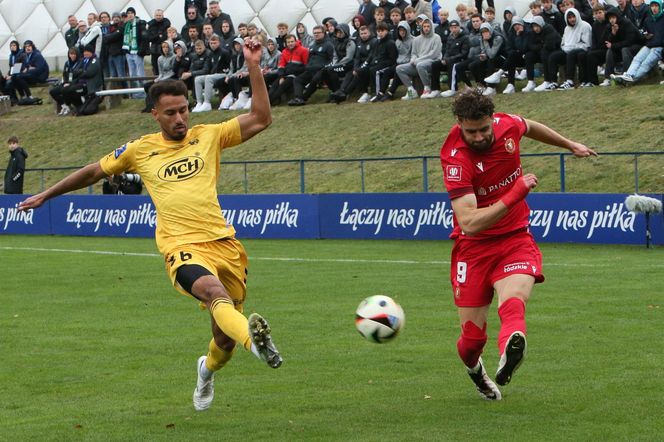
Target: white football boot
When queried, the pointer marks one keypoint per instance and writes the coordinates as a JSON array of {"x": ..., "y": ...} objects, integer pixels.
[{"x": 204, "y": 392}]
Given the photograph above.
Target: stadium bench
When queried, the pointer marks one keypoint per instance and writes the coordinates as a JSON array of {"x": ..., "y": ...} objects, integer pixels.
[{"x": 114, "y": 89}]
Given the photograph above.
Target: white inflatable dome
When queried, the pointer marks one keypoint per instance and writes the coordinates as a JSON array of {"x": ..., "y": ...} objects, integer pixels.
[{"x": 44, "y": 21}]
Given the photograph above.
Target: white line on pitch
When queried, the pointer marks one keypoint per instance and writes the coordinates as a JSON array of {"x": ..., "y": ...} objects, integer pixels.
[{"x": 294, "y": 259}]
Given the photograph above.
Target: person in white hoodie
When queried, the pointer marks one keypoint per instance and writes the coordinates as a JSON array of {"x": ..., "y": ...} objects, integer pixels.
[
  {"x": 576, "y": 42},
  {"x": 427, "y": 47}
]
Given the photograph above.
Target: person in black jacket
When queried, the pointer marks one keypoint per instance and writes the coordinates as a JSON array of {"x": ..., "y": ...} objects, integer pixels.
[
  {"x": 383, "y": 58},
  {"x": 455, "y": 51},
  {"x": 517, "y": 41},
  {"x": 71, "y": 36},
  {"x": 69, "y": 81},
  {"x": 200, "y": 5},
  {"x": 88, "y": 80},
  {"x": 358, "y": 78},
  {"x": 112, "y": 44},
  {"x": 545, "y": 39},
  {"x": 34, "y": 70},
  {"x": 321, "y": 55},
  {"x": 136, "y": 46},
  {"x": 216, "y": 17},
  {"x": 156, "y": 34},
  {"x": 622, "y": 42},
  {"x": 596, "y": 55},
  {"x": 15, "y": 168}
]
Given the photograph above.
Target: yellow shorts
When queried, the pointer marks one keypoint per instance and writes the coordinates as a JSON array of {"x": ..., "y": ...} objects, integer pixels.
[{"x": 224, "y": 258}]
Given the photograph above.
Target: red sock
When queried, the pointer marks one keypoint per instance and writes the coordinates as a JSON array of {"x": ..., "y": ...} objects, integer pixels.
[
  {"x": 471, "y": 343},
  {"x": 512, "y": 318}
]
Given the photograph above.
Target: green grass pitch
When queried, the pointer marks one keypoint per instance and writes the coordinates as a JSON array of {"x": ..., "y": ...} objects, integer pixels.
[{"x": 96, "y": 345}]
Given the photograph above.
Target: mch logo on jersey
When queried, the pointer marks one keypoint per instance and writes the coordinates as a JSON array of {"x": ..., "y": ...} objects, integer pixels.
[
  {"x": 119, "y": 151},
  {"x": 453, "y": 173},
  {"x": 510, "y": 145},
  {"x": 182, "y": 169}
]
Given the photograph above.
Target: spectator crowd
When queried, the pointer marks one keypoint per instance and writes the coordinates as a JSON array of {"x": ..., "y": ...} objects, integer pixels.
[{"x": 388, "y": 45}]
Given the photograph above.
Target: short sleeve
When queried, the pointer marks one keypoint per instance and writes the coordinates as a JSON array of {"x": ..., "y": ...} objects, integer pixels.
[
  {"x": 229, "y": 133},
  {"x": 120, "y": 160}
]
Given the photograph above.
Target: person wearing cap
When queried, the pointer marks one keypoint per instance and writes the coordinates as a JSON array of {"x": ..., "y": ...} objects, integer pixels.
[
  {"x": 490, "y": 55},
  {"x": 136, "y": 46},
  {"x": 517, "y": 42},
  {"x": 544, "y": 40},
  {"x": 426, "y": 49},
  {"x": 576, "y": 42},
  {"x": 456, "y": 50},
  {"x": 89, "y": 80},
  {"x": 82, "y": 30}
]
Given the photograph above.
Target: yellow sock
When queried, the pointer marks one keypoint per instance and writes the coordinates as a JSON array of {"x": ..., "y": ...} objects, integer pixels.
[
  {"x": 216, "y": 357},
  {"x": 231, "y": 322}
]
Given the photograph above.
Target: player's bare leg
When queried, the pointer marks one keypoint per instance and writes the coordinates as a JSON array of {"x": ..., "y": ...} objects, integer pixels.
[
  {"x": 470, "y": 346},
  {"x": 513, "y": 293}
]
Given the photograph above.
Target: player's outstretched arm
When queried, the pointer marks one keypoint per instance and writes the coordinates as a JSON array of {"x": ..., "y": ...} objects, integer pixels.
[
  {"x": 83, "y": 177},
  {"x": 540, "y": 132},
  {"x": 260, "y": 116},
  {"x": 474, "y": 220}
]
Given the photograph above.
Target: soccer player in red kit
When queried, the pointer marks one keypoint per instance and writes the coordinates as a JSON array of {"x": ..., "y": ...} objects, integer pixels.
[{"x": 493, "y": 249}]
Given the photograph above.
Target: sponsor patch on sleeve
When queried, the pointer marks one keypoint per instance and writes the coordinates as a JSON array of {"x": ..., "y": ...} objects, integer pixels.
[
  {"x": 453, "y": 173},
  {"x": 120, "y": 150}
]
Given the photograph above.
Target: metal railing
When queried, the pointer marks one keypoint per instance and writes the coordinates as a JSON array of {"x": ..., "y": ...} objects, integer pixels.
[{"x": 301, "y": 167}]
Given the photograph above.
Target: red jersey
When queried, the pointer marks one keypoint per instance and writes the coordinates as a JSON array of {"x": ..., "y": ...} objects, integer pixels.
[{"x": 488, "y": 175}]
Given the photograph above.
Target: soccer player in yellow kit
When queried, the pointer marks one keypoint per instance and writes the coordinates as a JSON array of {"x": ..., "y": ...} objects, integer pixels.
[{"x": 179, "y": 167}]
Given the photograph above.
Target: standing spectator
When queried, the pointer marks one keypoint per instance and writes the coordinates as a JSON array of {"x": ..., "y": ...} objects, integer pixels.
[
  {"x": 34, "y": 70},
  {"x": 321, "y": 54},
  {"x": 622, "y": 40},
  {"x": 216, "y": 17},
  {"x": 112, "y": 41},
  {"x": 200, "y": 5},
  {"x": 94, "y": 34},
  {"x": 71, "y": 36},
  {"x": 82, "y": 30},
  {"x": 427, "y": 48},
  {"x": 366, "y": 10},
  {"x": 193, "y": 19},
  {"x": 135, "y": 45},
  {"x": 494, "y": 254},
  {"x": 156, "y": 34},
  {"x": 69, "y": 81},
  {"x": 106, "y": 28},
  {"x": 15, "y": 168}
]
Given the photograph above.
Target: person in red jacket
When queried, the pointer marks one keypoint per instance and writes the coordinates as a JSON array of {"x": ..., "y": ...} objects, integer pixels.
[{"x": 294, "y": 59}]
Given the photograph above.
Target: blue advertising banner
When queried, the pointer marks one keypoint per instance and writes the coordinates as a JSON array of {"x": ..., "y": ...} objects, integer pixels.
[
  {"x": 555, "y": 217},
  {"x": 35, "y": 222}
]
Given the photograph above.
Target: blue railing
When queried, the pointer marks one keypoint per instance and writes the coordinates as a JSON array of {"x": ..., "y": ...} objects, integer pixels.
[{"x": 302, "y": 164}]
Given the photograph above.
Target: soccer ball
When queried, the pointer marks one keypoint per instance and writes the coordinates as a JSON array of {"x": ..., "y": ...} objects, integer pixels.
[{"x": 379, "y": 318}]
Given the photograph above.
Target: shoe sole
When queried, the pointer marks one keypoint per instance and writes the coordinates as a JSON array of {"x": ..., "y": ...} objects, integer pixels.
[
  {"x": 259, "y": 331},
  {"x": 515, "y": 352}
]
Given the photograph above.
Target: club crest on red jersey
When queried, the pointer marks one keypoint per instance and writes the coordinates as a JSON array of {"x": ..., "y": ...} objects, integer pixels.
[
  {"x": 510, "y": 145},
  {"x": 453, "y": 173}
]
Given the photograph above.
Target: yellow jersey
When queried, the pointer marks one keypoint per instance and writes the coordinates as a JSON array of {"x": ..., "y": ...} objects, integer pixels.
[{"x": 181, "y": 177}]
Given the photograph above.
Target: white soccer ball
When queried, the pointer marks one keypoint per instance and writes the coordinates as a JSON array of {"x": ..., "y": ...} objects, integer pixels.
[{"x": 379, "y": 318}]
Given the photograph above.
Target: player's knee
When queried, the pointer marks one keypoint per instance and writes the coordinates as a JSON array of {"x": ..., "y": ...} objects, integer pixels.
[{"x": 212, "y": 293}]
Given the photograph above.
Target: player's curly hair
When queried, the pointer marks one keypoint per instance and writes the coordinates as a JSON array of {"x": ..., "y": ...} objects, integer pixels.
[
  {"x": 472, "y": 105},
  {"x": 167, "y": 87}
]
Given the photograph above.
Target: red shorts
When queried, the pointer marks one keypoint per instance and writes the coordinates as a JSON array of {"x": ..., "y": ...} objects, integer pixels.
[{"x": 478, "y": 264}]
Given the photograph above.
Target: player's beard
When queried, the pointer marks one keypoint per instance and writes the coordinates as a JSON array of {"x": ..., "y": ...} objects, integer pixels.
[
  {"x": 177, "y": 136},
  {"x": 481, "y": 146}
]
